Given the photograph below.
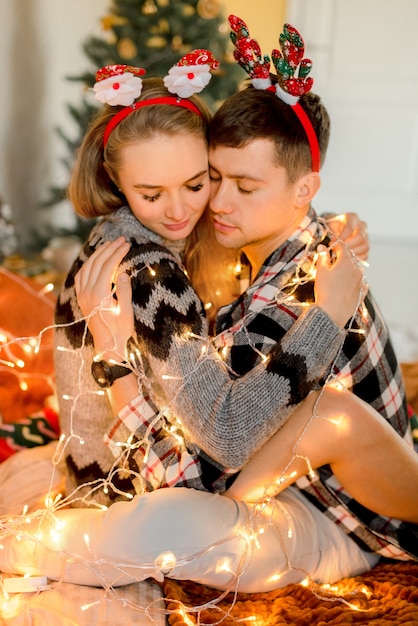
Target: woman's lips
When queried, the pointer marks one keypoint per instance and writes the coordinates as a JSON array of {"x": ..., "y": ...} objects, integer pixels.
[{"x": 177, "y": 226}]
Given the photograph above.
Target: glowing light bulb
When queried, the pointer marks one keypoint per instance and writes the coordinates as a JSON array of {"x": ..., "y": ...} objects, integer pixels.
[
  {"x": 275, "y": 578},
  {"x": 7, "y": 363},
  {"x": 55, "y": 535},
  {"x": 165, "y": 562},
  {"x": 10, "y": 608},
  {"x": 186, "y": 619},
  {"x": 224, "y": 566},
  {"x": 49, "y": 287}
]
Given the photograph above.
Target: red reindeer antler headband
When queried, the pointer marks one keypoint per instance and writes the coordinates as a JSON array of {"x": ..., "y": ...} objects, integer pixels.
[{"x": 292, "y": 72}]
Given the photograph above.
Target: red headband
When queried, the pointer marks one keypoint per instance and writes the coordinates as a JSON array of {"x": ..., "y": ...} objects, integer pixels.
[
  {"x": 170, "y": 100},
  {"x": 309, "y": 131},
  {"x": 311, "y": 135}
]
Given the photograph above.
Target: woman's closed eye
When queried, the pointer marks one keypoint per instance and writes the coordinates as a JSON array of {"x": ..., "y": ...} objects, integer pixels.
[
  {"x": 195, "y": 188},
  {"x": 151, "y": 198}
]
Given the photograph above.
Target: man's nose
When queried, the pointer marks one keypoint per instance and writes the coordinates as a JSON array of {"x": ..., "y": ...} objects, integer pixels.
[{"x": 220, "y": 201}]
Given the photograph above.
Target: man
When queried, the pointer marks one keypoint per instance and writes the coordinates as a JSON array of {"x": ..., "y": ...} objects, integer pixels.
[{"x": 263, "y": 186}]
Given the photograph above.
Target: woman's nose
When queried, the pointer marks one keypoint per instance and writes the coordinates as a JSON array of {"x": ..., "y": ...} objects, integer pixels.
[{"x": 176, "y": 209}]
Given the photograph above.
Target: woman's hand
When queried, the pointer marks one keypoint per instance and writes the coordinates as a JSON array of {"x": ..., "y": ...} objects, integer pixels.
[
  {"x": 110, "y": 321},
  {"x": 339, "y": 283},
  {"x": 350, "y": 229}
]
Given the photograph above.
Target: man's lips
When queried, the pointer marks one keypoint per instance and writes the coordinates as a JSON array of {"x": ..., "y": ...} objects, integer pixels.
[{"x": 222, "y": 227}]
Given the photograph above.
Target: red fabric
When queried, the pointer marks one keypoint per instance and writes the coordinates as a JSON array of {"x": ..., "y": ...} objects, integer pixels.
[{"x": 24, "y": 313}]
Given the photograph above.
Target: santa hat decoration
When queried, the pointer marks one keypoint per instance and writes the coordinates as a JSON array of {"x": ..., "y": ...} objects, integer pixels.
[
  {"x": 118, "y": 84},
  {"x": 191, "y": 74},
  {"x": 121, "y": 85}
]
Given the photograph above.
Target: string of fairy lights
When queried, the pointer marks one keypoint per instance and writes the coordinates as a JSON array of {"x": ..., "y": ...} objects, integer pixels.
[{"x": 30, "y": 525}]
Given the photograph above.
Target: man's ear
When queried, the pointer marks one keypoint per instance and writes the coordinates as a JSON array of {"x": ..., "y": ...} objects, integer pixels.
[{"x": 307, "y": 187}]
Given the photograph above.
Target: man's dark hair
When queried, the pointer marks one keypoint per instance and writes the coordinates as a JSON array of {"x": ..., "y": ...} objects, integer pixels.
[{"x": 259, "y": 114}]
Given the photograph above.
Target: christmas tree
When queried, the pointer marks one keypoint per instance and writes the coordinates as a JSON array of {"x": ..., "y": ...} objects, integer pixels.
[{"x": 153, "y": 34}]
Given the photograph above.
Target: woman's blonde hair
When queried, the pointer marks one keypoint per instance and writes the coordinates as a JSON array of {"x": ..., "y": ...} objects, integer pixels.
[
  {"x": 211, "y": 267},
  {"x": 94, "y": 191}
]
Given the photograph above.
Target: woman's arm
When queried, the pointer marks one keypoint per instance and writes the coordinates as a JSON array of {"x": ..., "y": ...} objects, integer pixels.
[
  {"x": 229, "y": 418},
  {"x": 349, "y": 228}
]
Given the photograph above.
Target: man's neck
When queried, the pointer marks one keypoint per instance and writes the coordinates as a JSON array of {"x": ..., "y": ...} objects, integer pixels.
[{"x": 259, "y": 251}]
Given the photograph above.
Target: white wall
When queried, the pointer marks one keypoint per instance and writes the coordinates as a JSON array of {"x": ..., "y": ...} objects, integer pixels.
[
  {"x": 40, "y": 44},
  {"x": 364, "y": 54}
]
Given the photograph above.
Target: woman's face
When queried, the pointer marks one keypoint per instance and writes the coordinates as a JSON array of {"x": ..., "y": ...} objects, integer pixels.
[{"x": 166, "y": 182}]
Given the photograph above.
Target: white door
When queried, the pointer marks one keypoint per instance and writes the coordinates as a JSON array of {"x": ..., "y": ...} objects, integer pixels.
[{"x": 365, "y": 56}]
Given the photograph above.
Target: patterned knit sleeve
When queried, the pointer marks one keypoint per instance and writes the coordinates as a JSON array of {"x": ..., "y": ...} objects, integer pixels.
[
  {"x": 226, "y": 416},
  {"x": 84, "y": 414}
]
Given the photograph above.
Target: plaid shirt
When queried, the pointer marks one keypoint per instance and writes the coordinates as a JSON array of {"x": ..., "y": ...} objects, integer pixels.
[{"x": 247, "y": 330}]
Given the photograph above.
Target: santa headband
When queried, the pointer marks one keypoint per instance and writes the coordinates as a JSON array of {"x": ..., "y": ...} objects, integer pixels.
[
  {"x": 121, "y": 85},
  {"x": 292, "y": 69}
]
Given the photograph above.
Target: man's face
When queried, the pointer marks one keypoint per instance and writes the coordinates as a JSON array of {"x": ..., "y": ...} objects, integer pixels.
[{"x": 253, "y": 205}]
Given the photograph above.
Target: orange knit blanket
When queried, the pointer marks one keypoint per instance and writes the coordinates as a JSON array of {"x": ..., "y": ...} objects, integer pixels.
[{"x": 385, "y": 596}]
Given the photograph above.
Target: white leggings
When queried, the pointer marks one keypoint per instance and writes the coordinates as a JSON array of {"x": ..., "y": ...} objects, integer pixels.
[{"x": 186, "y": 534}]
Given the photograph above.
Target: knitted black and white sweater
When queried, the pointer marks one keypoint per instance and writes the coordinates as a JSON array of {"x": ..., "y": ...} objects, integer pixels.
[{"x": 181, "y": 370}]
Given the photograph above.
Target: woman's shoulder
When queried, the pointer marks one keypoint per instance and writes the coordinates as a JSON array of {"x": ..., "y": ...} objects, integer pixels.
[
  {"x": 120, "y": 223},
  {"x": 123, "y": 223}
]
